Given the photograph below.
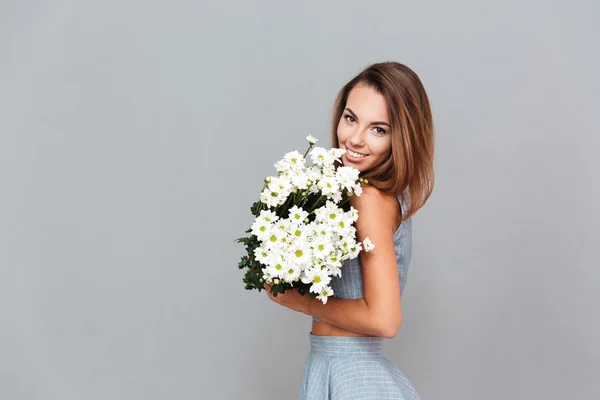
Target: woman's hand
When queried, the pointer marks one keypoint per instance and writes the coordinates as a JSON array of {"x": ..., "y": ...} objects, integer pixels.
[{"x": 290, "y": 299}]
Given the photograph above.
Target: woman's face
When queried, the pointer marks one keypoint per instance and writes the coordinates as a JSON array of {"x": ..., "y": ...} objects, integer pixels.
[{"x": 364, "y": 128}]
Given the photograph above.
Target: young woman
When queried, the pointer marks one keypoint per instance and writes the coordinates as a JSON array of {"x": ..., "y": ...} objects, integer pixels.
[{"x": 382, "y": 118}]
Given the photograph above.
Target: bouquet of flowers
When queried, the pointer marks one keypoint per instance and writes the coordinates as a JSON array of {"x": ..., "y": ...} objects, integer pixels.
[{"x": 303, "y": 230}]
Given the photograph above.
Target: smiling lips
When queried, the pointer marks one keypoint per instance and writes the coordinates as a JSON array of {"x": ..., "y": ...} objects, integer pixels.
[{"x": 355, "y": 154}]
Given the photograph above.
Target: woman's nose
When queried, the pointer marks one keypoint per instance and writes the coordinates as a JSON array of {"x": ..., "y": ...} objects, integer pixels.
[{"x": 357, "y": 138}]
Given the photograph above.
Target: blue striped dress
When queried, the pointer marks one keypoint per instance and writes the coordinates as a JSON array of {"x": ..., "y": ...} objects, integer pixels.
[{"x": 352, "y": 368}]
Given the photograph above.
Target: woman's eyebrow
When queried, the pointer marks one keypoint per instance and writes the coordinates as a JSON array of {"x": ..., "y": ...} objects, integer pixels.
[{"x": 372, "y": 123}]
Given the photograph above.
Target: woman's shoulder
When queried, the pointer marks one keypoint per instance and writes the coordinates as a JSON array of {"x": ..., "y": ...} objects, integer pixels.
[
  {"x": 370, "y": 195},
  {"x": 376, "y": 206}
]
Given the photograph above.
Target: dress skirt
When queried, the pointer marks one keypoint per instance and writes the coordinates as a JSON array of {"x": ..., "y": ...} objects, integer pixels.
[{"x": 352, "y": 368}]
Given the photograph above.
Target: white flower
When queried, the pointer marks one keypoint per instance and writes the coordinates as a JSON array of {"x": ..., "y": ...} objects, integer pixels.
[
  {"x": 333, "y": 155},
  {"x": 271, "y": 198},
  {"x": 357, "y": 189},
  {"x": 322, "y": 248},
  {"x": 282, "y": 184},
  {"x": 299, "y": 179},
  {"x": 336, "y": 152},
  {"x": 275, "y": 269},
  {"x": 283, "y": 166},
  {"x": 368, "y": 245},
  {"x": 320, "y": 156},
  {"x": 354, "y": 250},
  {"x": 291, "y": 273},
  {"x": 261, "y": 229},
  {"x": 328, "y": 186},
  {"x": 277, "y": 238},
  {"x": 281, "y": 267},
  {"x": 297, "y": 214},
  {"x": 298, "y": 233},
  {"x": 334, "y": 260},
  {"x": 347, "y": 176},
  {"x": 344, "y": 223},
  {"x": 291, "y": 162},
  {"x": 346, "y": 243},
  {"x": 314, "y": 173},
  {"x": 300, "y": 252},
  {"x": 282, "y": 224},
  {"x": 328, "y": 170},
  {"x": 323, "y": 230},
  {"x": 262, "y": 255},
  {"x": 277, "y": 191},
  {"x": 353, "y": 214},
  {"x": 326, "y": 292},
  {"x": 318, "y": 277},
  {"x": 295, "y": 159},
  {"x": 311, "y": 139},
  {"x": 263, "y": 224},
  {"x": 335, "y": 196},
  {"x": 335, "y": 270},
  {"x": 351, "y": 231},
  {"x": 268, "y": 216},
  {"x": 329, "y": 213}
]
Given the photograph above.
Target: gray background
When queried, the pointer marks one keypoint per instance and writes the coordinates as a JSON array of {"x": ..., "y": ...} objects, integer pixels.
[{"x": 135, "y": 135}]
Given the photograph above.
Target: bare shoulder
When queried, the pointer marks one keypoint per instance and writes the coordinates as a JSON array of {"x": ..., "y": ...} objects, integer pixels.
[{"x": 375, "y": 209}]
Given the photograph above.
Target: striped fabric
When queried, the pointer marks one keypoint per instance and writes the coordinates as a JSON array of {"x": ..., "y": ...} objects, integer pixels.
[
  {"x": 352, "y": 368},
  {"x": 349, "y": 368}
]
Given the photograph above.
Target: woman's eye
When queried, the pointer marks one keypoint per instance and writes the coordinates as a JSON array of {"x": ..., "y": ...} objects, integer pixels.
[{"x": 350, "y": 118}]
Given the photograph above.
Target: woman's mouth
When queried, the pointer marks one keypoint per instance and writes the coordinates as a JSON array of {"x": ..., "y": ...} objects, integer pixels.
[{"x": 355, "y": 155}]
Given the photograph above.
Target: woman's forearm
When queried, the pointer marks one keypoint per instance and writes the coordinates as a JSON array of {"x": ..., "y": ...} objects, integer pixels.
[{"x": 352, "y": 315}]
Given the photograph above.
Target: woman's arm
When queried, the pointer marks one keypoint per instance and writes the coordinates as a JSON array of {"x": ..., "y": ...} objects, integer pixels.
[{"x": 379, "y": 312}]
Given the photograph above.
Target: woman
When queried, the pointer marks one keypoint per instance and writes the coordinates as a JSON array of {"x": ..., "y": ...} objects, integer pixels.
[{"x": 383, "y": 119}]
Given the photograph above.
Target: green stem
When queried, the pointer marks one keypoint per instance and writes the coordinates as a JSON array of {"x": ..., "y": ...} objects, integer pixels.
[
  {"x": 305, "y": 199},
  {"x": 317, "y": 204},
  {"x": 310, "y": 145},
  {"x": 284, "y": 206}
]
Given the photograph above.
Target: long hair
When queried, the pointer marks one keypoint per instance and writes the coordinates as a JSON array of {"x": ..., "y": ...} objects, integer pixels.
[{"x": 408, "y": 169}]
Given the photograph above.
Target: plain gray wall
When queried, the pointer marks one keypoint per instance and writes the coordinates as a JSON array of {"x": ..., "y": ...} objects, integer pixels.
[{"x": 135, "y": 135}]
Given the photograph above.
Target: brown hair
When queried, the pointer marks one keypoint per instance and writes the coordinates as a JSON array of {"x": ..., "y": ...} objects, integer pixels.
[{"x": 408, "y": 169}]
